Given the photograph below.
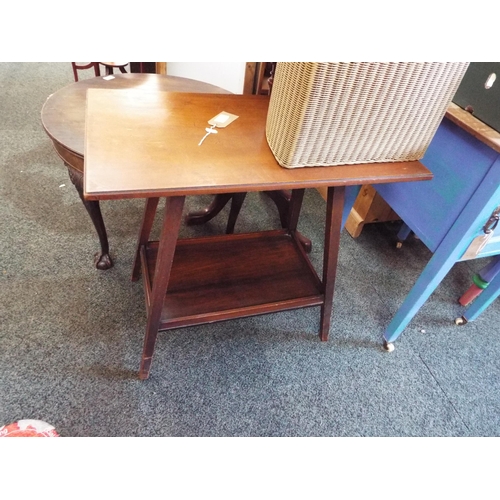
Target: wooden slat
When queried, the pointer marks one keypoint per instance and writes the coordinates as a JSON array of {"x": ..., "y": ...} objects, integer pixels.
[{"x": 475, "y": 127}]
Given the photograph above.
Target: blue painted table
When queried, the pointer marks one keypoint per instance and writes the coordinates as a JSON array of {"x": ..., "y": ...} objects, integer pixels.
[{"x": 449, "y": 211}]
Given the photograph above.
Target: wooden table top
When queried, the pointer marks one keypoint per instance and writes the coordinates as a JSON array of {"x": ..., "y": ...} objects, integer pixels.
[
  {"x": 63, "y": 114},
  {"x": 144, "y": 143}
]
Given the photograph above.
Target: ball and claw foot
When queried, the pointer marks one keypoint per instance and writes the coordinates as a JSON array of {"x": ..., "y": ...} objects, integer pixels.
[
  {"x": 388, "y": 346},
  {"x": 103, "y": 261},
  {"x": 460, "y": 321}
]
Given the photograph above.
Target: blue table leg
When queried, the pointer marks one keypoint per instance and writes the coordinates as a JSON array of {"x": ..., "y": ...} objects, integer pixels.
[
  {"x": 481, "y": 281},
  {"x": 489, "y": 294},
  {"x": 403, "y": 233},
  {"x": 447, "y": 254}
]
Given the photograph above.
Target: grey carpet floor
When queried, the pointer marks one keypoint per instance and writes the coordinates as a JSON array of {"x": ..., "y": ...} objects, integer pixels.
[{"x": 71, "y": 336}]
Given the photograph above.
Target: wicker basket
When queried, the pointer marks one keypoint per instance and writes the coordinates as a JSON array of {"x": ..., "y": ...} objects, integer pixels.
[{"x": 323, "y": 114}]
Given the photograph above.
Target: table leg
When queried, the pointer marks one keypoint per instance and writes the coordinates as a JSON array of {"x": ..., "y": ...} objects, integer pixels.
[
  {"x": 236, "y": 203},
  {"x": 168, "y": 240},
  {"x": 147, "y": 223},
  {"x": 491, "y": 293},
  {"x": 334, "y": 213},
  {"x": 481, "y": 281},
  {"x": 102, "y": 260},
  {"x": 466, "y": 227},
  {"x": 444, "y": 258},
  {"x": 282, "y": 200},
  {"x": 403, "y": 234},
  {"x": 208, "y": 213},
  {"x": 295, "y": 204}
]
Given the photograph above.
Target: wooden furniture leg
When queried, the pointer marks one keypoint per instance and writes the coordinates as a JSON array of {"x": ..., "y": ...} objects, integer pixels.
[
  {"x": 236, "y": 203},
  {"x": 168, "y": 240},
  {"x": 282, "y": 199},
  {"x": 102, "y": 260},
  {"x": 218, "y": 203},
  {"x": 368, "y": 207},
  {"x": 109, "y": 67},
  {"x": 295, "y": 204},
  {"x": 147, "y": 223},
  {"x": 77, "y": 67},
  {"x": 208, "y": 213},
  {"x": 334, "y": 210}
]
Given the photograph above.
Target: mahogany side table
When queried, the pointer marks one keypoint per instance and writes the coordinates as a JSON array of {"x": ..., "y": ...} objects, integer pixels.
[{"x": 143, "y": 143}]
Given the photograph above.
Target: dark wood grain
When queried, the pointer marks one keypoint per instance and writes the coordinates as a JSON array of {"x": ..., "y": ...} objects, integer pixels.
[
  {"x": 145, "y": 144},
  {"x": 168, "y": 125},
  {"x": 63, "y": 118},
  {"x": 224, "y": 277},
  {"x": 63, "y": 113}
]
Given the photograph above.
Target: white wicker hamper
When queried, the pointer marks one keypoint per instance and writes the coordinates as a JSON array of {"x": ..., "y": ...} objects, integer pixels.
[{"x": 323, "y": 114}]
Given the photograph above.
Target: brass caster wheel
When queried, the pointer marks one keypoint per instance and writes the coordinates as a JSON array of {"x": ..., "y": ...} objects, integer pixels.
[
  {"x": 460, "y": 321},
  {"x": 399, "y": 244},
  {"x": 388, "y": 346}
]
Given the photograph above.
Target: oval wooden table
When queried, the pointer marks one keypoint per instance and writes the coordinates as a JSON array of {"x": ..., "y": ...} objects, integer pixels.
[{"x": 63, "y": 118}]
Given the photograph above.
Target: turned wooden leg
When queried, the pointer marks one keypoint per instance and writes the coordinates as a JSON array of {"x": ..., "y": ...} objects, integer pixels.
[{"x": 102, "y": 260}]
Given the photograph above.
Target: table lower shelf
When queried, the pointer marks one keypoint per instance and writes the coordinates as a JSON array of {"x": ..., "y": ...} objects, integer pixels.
[{"x": 232, "y": 276}]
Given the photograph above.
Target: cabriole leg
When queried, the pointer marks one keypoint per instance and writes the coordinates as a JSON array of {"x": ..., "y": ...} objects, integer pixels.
[{"x": 102, "y": 260}]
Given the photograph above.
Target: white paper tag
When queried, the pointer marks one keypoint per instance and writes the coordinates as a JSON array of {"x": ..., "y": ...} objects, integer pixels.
[
  {"x": 222, "y": 120},
  {"x": 478, "y": 243}
]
